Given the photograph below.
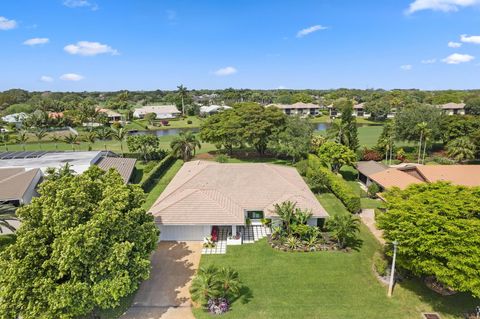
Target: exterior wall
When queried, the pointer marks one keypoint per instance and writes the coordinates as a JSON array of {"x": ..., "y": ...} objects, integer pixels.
[
  {"x": 31, "y": 190},
  {"x": 305, "y": 111},
  {"x": 184, "y": 232}
]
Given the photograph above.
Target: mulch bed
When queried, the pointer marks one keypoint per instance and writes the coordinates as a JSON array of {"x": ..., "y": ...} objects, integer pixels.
[
  {"x": 438, "y": 287},
  {"x": 328, "y": 246}
]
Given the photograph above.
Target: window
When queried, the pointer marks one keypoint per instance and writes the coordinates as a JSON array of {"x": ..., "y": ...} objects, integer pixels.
[{"x": 255, "y": 215}]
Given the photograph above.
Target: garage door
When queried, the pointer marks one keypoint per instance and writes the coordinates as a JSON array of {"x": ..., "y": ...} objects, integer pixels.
[{"x": 180, "y": 233}]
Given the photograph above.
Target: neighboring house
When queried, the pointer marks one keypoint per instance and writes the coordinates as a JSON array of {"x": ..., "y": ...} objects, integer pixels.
[
  {"x": 299, "y": 108},
  {"x": 78, "y": 161},
  {"x": 212, "y": 109},
  {"x": 16, "y": 118},
  {"x": 206, "y": 194},
  {"x": 453, "y": 108},
  {"x": 18, "y": 185},
  {"x": 55, "y": 115},
  {"x": 359, "y": 111},
  {"x": 404, "y": 176},
  {"x": 161, "y": 111},
  {"x": 333, "y": 112},
  {"x": 111, "y": 115}
]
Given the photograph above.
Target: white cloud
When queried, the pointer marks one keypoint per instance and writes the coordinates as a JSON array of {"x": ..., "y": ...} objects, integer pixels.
[
  {"x": 46, "y": 78},
  {"x": 309, "y": 30},
  {"x": 87, "y": 48},
  {"x": 429, "y": 61},
  {"x": 458, "y": 58},
  {"x": 6, "y": 24},
  {"x": 440, "y": 5},
  {"x": 475, "y": 39},
  {"x": 71, "y": 77},
  {"x": 229, "y": 70},
  {"x": 452, "y": 44},
  {"x": 36, "y": 41},
  {"x": 80, "y": 4},
  {"x": 406, "y": 67}
]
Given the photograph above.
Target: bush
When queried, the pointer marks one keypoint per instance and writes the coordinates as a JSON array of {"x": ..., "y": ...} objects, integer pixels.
[
  {"x": 380, "y": 264},
  {"x": 189, "y": 122},
  {"x": 443, "y": 160},
  {"x": 165, "y": 123},
  {"x": 156, "y": 172},
  {"x": 222, "y": 158},
  {"x": 373, "y": 189},
  {"x": 302, "y": 167},
  {"x": 371, "y": 155}
]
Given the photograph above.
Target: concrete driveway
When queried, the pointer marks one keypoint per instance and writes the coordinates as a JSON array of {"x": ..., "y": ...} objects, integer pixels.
[{"x": 166, "y": 293}]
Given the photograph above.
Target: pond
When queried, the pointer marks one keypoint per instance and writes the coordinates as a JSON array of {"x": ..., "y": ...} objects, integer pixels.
[{"x": 175, "y": 131}]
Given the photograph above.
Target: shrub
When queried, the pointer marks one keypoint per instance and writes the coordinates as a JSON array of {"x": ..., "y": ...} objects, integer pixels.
[
  {"x": 373, "y": 189},
  {"x": 443, "y": 160},
  {"x": 189, "y": 122},
  {"x": 380, "y": 264},
  {"x": 371, "y": 155},
  {"x": 165, "y": 123},
  {"x": 302, "y": 167},
  {"x": 401, "y": 155},
  {"x": 156, "y": 172},
  {"x": 222, "y": 158}
]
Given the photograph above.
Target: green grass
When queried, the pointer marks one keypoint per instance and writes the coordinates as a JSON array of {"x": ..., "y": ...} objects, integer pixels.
[
  {"x": 172, "y": 123},
  {"x": 327, "y": 119},
  {"x": 162, "y": 183},
  {"x": 325, "y": 284}
]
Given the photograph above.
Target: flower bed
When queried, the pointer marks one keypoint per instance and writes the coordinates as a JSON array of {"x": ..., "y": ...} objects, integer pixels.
[{"x": 323, "y": 244}]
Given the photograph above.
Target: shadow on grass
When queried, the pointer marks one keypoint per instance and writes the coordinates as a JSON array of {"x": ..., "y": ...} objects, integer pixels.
[{"x": 245, "y": 296}]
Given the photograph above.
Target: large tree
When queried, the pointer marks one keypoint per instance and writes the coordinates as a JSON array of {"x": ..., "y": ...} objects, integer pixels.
[
  {"x": 334, "y": 155},
  {"x": 407, "y": 120},
  {"x": 436, "y": 226},
  {"x": 185, "y": 145},
  {"x": 83, "y": 245},
  {"x": 473, "y": 106},
  {"x": 295, "y": 140},
  {"x": 146, "y": 145}
]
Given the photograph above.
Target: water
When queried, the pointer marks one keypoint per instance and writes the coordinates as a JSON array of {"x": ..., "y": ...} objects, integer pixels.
[{"x": 175, "y": 131}]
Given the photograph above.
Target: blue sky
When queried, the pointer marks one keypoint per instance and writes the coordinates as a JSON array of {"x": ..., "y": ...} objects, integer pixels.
[{"x": 76, "y": 45}]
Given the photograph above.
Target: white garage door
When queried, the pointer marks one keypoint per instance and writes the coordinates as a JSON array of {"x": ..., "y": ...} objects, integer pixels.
[{"x": 180, "y": 233}]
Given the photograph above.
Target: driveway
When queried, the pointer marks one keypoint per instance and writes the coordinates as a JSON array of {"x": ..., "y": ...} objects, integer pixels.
[{"x": 166, "y": 293}]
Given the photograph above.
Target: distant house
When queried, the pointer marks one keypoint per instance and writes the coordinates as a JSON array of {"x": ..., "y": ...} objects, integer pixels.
[
  {"x": 55, "y": 115},
  {"x": 16, "y": 118},
  {"x": 212, "y": 109},
  {"x": 333, "y": 112},
  {"x": 18, "y": 185},
  {"x": 453, "y": 108},
  {"x": 111, "y": 115},
  {"x": 359, "y": 111},
  {"x": 161, "y": 111},
  {"x": 367, "y": 168},
  {"x": 299, "y": 108}
]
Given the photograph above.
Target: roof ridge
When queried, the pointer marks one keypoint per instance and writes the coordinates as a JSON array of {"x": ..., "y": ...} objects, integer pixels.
[
  {"x": 204, "y": 191},
  {"x": 281, "y": 176}
]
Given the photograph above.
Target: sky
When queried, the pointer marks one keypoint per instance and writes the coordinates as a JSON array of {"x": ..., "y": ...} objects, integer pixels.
[{"x": 106, "y": 45}]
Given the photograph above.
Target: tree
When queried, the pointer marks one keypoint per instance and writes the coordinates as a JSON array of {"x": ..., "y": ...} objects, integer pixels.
[
  {"x": 4, "y": 139},
  {"x": 150, "y": 118},
  {"x": 120, "y": 134},
  {"x": 184, "y": 145},
  {"x": 408, "y": 118},
  {"x": 7, "y": 214},
  {"x": 294, "y": 141},
  {"x": 204, "y": 287},
  {"x": 55, "y": 139},
  {"x": 223, "y": 129},
  {"x": 40, "y": 134},
  {"x": 473, "y": 106},
  {"x": 90, "y": 137},
  {"x": 334, "y": 155},
  {"x": 146, "y": 145},
  {"x": 83, "y": 245},
  {"x": 22, "y": 139},
  {"x": 436, "y": 226},
  {"x": 104, "y": 134},
  {"x": 344, "y": 228},
  {"x": 461, "y": 149},
  {"x": 182, "y": 93},
  {"x": 378, "y": 109},
  {"x": 386, "y": 141},
  {"x": 423, "y": 130},
  {"x": 349, "y": 125},
  {"x": 71, "y": 139}
]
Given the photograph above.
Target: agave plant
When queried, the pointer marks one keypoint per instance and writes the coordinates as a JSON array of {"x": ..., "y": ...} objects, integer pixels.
[
  {"x": 311, "y": 242},
  {"x": 293, "y": 242}
]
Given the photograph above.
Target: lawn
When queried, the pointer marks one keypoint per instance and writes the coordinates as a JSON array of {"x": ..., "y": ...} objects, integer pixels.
[
  {"x": 325, "y": 284},
  {"x": 140, "y": 124}
]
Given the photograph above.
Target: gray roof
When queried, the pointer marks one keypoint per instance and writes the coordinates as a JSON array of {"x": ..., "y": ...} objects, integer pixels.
[
  {"x": 124, "y": 166},
  {"x": 368, "y": 168},
  {"x": 14, "y": 182}
]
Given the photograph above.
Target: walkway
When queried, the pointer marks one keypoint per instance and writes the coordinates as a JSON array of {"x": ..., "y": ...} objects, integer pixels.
[
  {"x": 221, "y": 244},
  {"x": 368, "y": 218},
  {"x": 165, "y": 295},
  {"x": 254, "y": 233}
]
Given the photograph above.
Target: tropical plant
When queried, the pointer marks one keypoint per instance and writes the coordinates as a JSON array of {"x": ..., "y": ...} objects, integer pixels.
[
  {"x": 22, "y": 139},
  {"x": 4, "y": 138},
  {"x": 55, "y": 139},
  {"x": 229, "y": 281},
  {"x": 293, "y": 242},
  {"x": 285, "y": 212},
  {"x": 7, "y": 214},
  {"x": 461, "y": 149},
  {"x": 104, "y": 134},
  {"x": 372, "y": 190},
  {"x": 90, "y": 137},
  {"x": 184, "y": 145},
  {"x": 119, "y": 134},
  {"x": 311, "y": 242},
  {"x": 71, "y": 139},
  {"x": 150, "y": 118},
  {"x": 335, "y": 155},
  {"x": 182, "y": 93},
  {"x": 343, "y": 228},
  {"x": 40, "y": 134},
  {"x": 146, "y": 145}
]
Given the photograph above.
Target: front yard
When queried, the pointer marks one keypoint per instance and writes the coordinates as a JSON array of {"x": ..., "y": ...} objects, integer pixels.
[{"x": 325, "y": 284}]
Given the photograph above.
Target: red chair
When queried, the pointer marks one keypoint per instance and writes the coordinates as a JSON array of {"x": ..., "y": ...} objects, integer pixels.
[{"x": 214, "y": 233}]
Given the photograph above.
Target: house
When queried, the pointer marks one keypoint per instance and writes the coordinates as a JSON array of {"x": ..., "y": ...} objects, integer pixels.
[
  {"x": 453, "y": 108},
  {"x": 55, "y": 115},
  {"x": 161, "y": 111},
  {"x": 111, "y": 115},
  {"x": 18, "y": 185},
  {"x": 359, "y": 111},
  {"x": 78, "y": 161},
  {"x": 212, "y": 109},
  {"x": 16, "y": 118},
  {"x": 333, "y": 112},
  {"x": 406, "y": 175},
  {"x": 207, "y": 194},
  {"x": 299, "y": 108}
]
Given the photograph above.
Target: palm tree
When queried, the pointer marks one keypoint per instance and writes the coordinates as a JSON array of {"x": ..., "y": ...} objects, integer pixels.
[
  {"x": 184, "y": 145},
  {"x": 461, "y": 149},
  {"x": 204, "y": 287},
  {"x": 343, "y": 228},
  {"x": 422, "y": 128},
  {"x": 7, "y": 214},
  {"x": 40, "y": 134},
  {"x": 104, "y": 134},
  {"x": 55, "y": 139},
  {"x": 229, "y": 281},
  {"x": 71, "y": 139},
  {"x": 90, "y": 137},
  {"x": 4, "y": 138},
  {"x": 120, "y": 134},
  {"x": 286, "y": 212},
  {"x": 182, "y": 92},
  {"x": 22, "y": 139}
]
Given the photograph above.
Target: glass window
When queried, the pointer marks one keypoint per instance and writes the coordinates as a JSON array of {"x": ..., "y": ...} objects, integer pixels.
[{"x": 255, "y": 214}]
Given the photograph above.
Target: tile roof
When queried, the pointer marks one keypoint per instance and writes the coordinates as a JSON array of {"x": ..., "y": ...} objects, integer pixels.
[
  {"x": 368, "y": 168},
  {"x": 14, "y": 182},
  {"x": 393, "y": 177},
  {"x": 452, "y": 106},
  {"x": 465, "y": 175},
  {"x": 212, "y": 193},
  {"x": 124, "y": 166},
  {"x": 298, "y": 105},
  {"x": 159, "y": 109}
]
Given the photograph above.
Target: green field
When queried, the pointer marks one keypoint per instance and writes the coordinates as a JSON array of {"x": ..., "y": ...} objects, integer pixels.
[{"x": 331, "y": 285}]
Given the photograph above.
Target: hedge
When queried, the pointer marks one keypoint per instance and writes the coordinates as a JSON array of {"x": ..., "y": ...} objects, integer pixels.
[
  {"x": 151, "y": 178},
  {"x": 336, "y": 184}
]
